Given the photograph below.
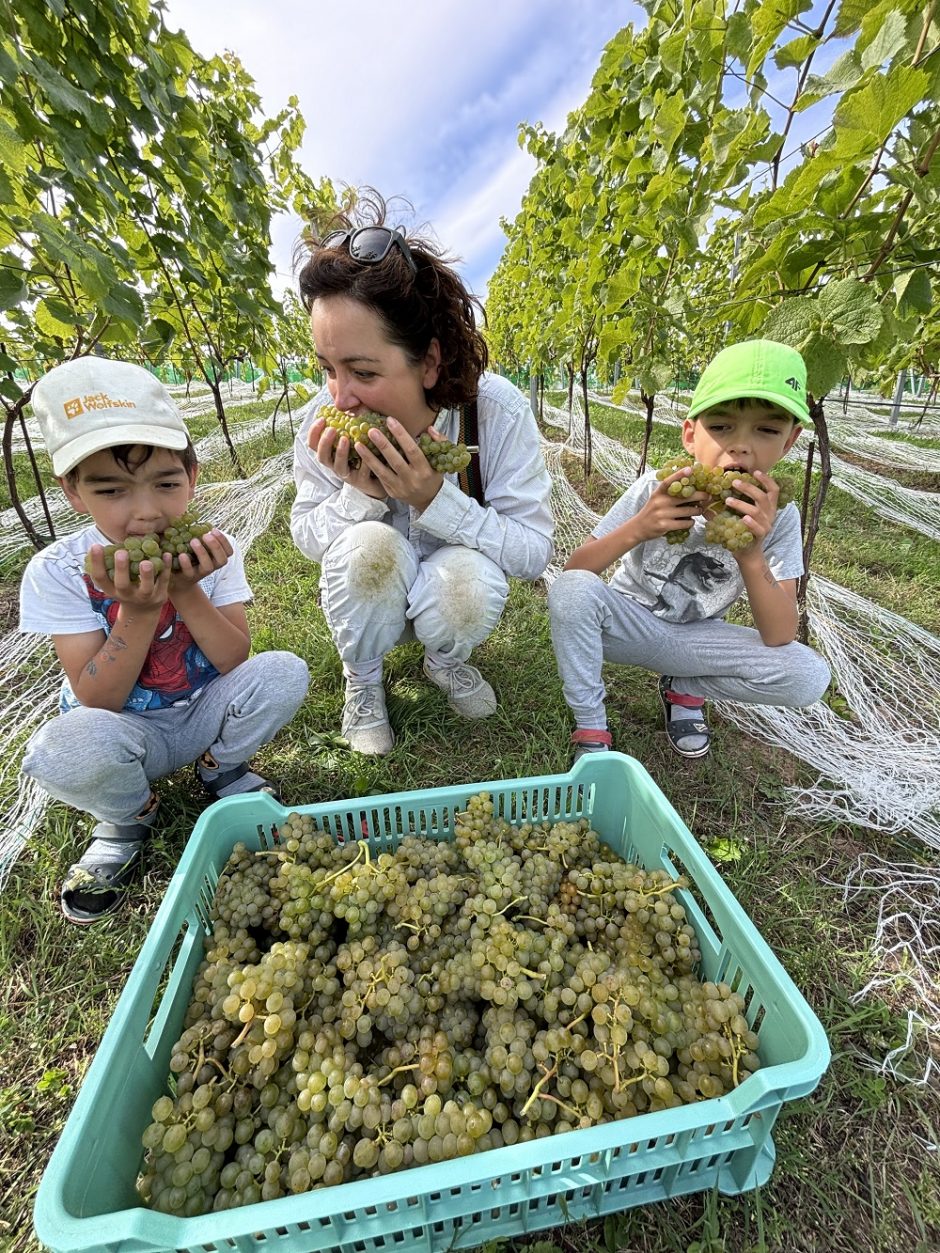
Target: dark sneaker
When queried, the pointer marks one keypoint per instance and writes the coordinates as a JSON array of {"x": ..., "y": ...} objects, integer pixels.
[{"x": 97, "y": 884}]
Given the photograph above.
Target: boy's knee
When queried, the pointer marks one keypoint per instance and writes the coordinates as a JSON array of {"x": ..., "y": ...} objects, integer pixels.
[
  {"x": 292, "y": 675},
  {"x": 570, "y": 589},
  {"x": 818, "y": 678},
  {"x": 278, "y": 674},
  {"x": 808, "y": 680},
  {"x": 76, "y": 748}
]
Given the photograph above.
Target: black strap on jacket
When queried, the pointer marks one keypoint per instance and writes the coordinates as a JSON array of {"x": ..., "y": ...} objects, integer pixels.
[{"x": 470, "y": 479}]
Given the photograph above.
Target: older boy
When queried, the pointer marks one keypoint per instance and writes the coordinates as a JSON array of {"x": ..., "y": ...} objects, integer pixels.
[
  {"x": 156, "y": 666},
  {"x": 664, "y": 607}
]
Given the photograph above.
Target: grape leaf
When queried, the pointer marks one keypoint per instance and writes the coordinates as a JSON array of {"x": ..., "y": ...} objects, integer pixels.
[
  {"x": 863, "y": 119},
  {"x": 913, "y": 292},
  {"x": 12, "y": 288},
  {"x": 849, "y": 313},
  {"x": 890, "y": 37}
]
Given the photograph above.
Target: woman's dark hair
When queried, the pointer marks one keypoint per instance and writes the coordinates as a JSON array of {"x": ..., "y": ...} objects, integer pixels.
[{"x": 414, "y": 307}]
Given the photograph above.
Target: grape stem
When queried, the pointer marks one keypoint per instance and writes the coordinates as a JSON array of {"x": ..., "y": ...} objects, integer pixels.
[
  {"x": 510, "y": 905},
  {"x": 241, "y": 1035},
  {"x": 536, "y": 1091},
  {"x": 569, "y": 1109},
  {"x": 737, "y": 1052},
  {"x": 397, "y": 1071},
  {"x": 348, "y": 866}
]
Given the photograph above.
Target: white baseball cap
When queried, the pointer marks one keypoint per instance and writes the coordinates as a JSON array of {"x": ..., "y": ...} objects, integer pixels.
[{"x": 93, "y": 403}]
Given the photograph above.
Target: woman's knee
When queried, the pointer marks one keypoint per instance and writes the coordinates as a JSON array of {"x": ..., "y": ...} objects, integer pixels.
[
  {"x": 370, "y": 557},
  {"x": 459, "y": 594}
]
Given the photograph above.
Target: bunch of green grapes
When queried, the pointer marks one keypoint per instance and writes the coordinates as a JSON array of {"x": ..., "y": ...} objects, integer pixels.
[
  {"x": 723, "y": 526},
  {"x": 442, "y": 455},
  {"x": 175, "y": 540}
]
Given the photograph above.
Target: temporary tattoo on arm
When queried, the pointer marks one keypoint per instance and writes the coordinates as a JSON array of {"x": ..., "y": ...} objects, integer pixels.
[
  {"x": 768, "y": 576},
  {"x": 109, "y": 651}
]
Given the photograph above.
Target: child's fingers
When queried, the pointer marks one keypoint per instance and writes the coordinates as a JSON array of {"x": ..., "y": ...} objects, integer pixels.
[{"x": 214, "y": 546}]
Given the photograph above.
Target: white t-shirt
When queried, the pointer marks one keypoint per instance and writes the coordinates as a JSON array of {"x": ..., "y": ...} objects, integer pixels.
[
  {"x": 693, "y": 580},
  {"x": 515, "y": 526},
  {"x": 57, "y": 597}
]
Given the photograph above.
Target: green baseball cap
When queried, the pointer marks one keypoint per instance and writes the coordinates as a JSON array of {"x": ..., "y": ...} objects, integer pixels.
[{"x": 761, "y": 368}]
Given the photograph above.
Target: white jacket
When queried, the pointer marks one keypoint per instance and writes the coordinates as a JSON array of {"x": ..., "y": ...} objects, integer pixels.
[{"x": 514, "y": 528}]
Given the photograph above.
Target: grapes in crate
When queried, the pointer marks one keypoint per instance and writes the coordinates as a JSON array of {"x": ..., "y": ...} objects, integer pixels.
[
  {"x": 722, "y": 526},
  {"x": 359, "y": 1011},
  {"x": 175, "y": 540},
  {"x": 443, "y": 456}
]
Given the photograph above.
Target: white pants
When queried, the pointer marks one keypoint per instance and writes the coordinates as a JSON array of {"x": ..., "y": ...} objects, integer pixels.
[{"x": 375, "y": 591}]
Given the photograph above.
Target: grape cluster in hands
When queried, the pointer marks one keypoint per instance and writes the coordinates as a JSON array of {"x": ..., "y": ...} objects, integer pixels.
[
  {"x": 175, "y": 540},
  {"x": 722, "y": 526},
  {"x": 442, "y": 455}
]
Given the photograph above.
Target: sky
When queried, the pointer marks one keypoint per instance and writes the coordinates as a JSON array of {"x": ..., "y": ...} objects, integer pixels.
[{"x": 420, "y": 99}]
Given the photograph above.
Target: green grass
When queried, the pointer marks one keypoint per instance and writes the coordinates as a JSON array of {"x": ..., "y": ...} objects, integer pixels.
[{"x": 852, "y": 1174}]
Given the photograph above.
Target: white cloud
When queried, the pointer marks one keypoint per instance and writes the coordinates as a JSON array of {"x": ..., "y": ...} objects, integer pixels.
[{"x": 421, "y": 99}]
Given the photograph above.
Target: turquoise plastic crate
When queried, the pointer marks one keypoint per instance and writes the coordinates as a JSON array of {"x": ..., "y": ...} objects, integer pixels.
[{"x": 87, "y": 1200}]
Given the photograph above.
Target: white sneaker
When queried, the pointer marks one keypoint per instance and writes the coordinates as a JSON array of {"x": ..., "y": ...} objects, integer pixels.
[
  {"x": 365, "y": 719},
  {"x": 468, "y": 693}
]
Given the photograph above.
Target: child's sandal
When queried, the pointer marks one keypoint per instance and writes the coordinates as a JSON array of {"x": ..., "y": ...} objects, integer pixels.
[
  {"x": 97, "y": 884},
  {"x": 681, "y": 729},
  {"x": 220, "y": 780},
  {"x": 590, "y": 741}
]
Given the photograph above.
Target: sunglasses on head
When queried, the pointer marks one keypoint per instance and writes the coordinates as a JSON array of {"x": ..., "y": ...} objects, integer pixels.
[{"x": 371, "y": 244}]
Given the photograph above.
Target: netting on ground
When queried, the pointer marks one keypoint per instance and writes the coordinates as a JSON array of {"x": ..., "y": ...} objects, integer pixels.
[{"x": 907, "y": 947}]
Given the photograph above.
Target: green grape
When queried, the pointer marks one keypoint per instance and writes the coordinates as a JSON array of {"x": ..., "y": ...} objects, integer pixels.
[
  {"x": 723, "y": 526},
  {"x": 174, "y": 541},
  {"x": 443, "y": 456}
]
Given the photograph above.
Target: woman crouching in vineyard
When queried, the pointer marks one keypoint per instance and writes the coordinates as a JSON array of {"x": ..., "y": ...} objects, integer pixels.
[{"x": 415, "y": 537}]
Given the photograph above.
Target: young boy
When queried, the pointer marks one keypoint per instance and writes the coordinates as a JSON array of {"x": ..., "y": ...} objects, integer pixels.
[
  {"x": 664, "y": 606},
  {"x": 157, "y": 672}
]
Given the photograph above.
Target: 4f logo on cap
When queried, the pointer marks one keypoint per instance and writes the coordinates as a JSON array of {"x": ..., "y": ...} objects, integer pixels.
[
  {"x": 794, "y": 383},
  {"x": 73, "y": 408}
]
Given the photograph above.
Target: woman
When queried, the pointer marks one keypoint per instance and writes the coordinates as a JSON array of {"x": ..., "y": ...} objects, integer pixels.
[{"x": 404, "y": 551}]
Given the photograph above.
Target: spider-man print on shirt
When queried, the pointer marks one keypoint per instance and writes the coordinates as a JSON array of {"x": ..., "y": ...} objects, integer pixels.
[{"x": 175, "y": 666}]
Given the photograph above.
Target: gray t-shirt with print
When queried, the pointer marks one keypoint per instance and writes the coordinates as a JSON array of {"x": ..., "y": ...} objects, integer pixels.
[{"x": 693, "y": 580}]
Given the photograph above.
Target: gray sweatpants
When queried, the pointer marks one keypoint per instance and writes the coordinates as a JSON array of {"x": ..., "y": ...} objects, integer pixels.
[
  {"x": 103, "y": 762},
  {"x": 592, "y": 623}
]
